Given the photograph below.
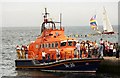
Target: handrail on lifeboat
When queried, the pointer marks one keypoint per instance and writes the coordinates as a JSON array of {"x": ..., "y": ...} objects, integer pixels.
[
  {"x": 43, "y": 25},
  {"x": 50, "y": 21}
]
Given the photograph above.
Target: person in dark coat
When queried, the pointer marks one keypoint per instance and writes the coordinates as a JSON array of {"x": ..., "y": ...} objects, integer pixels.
[{"x": 117, "y": 50}]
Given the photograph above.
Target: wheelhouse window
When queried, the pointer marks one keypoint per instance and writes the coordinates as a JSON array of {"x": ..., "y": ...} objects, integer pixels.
[
  {"x": 69, "y": 43},
  {"x": 42, "y": 45},
  {"x": 56, "y": 44},
  {"x": 45, "y": 45},
  {"x": 49, "y": 45},
  {"x": 63, "y": 44},
  {"x": 52, "y": 45}
]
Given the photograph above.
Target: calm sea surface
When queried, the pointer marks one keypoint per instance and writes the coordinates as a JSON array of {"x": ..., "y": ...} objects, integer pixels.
[{"x": 12, "y": 36}]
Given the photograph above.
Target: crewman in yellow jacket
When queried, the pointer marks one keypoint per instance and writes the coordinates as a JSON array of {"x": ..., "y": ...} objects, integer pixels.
[{"x": 19, "y": 54}]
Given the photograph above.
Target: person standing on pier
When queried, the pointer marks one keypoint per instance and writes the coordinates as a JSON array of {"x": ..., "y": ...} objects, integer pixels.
[
  {"x": 95, "y": 48},
  {"x": 101, "y": 48},
  {"x": 117, "y": 50},
  {"x": 111, "y": 49},
  {"x": 114, "y": 49},
  {"x": 106, "y": 51}
]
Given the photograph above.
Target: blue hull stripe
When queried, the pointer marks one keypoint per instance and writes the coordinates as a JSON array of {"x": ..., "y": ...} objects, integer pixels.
[{"x": 85, "y": 65}]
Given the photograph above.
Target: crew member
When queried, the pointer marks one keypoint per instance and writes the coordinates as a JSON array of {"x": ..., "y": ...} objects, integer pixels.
[
  {"x": 117, "y": 50},
  {"x": 23, "y": 52},
  {"x": 78, "y": 49},
  {"x": 43, "y": 56},
  {"x": 19, "y": 54},
  {"x": 26, "y": 52},
  {"x": 57, "y": 54}
]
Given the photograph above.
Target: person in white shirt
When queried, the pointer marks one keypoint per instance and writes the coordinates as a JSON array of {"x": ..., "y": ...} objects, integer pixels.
[
  {"x": 101, "y": 47},
  {"x": 43, "y": 56},
  {"x": 57, "y": 54},
  {"x": 78, "y": 49}
]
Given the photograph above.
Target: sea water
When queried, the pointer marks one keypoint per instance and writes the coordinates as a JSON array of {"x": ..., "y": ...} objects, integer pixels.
[{"x": 13, "y": 36}]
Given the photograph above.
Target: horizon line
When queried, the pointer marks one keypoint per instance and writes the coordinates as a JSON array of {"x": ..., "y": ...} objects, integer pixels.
[{"x": 62, "y": 26}]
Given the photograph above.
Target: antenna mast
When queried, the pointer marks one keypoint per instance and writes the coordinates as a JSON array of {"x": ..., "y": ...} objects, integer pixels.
[
  {"x": 46, "y": 13},
  {"x": 45, "y": 16},
  {"x": 60, "y": 19}
]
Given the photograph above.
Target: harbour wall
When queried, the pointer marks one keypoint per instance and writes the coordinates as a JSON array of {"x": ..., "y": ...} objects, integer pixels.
[{"x": 110, "y": 65}]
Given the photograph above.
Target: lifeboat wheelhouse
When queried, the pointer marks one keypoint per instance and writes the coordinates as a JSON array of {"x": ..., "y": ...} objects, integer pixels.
[{"x": 51, "y": 38}]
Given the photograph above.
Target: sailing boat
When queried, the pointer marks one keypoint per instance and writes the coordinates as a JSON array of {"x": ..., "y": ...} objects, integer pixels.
[
  {"x": 94, "y": 25},
  {"x": 107, "y": 27}
]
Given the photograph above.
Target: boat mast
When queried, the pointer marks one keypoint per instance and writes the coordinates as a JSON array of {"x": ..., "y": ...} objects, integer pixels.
[
  {"x": 45, "y": 20},
  {"x": 60, "y": 20},
  {"x": 45, "y": 16}
]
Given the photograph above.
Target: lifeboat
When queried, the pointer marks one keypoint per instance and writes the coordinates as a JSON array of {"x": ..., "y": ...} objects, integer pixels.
[{"x": 53, "y": 51}]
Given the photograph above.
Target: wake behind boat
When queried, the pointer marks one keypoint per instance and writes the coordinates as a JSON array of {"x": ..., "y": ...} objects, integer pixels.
[{"x": 53, "y": 51}]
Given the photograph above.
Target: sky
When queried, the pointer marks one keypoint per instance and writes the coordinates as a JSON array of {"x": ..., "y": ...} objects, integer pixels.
[{"x": 27, "y": 13}]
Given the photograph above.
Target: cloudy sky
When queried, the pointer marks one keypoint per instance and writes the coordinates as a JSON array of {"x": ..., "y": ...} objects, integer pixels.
[{"x": 74, "y": 12}]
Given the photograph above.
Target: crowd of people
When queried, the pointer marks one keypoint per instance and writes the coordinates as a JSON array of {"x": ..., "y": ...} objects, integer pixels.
[
  {"x": 82, "y": 49},
  {"x": 103, "y": 48}
]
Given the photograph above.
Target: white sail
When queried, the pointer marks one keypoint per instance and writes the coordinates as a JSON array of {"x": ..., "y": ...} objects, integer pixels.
[{"x": 107, "y": 27}]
